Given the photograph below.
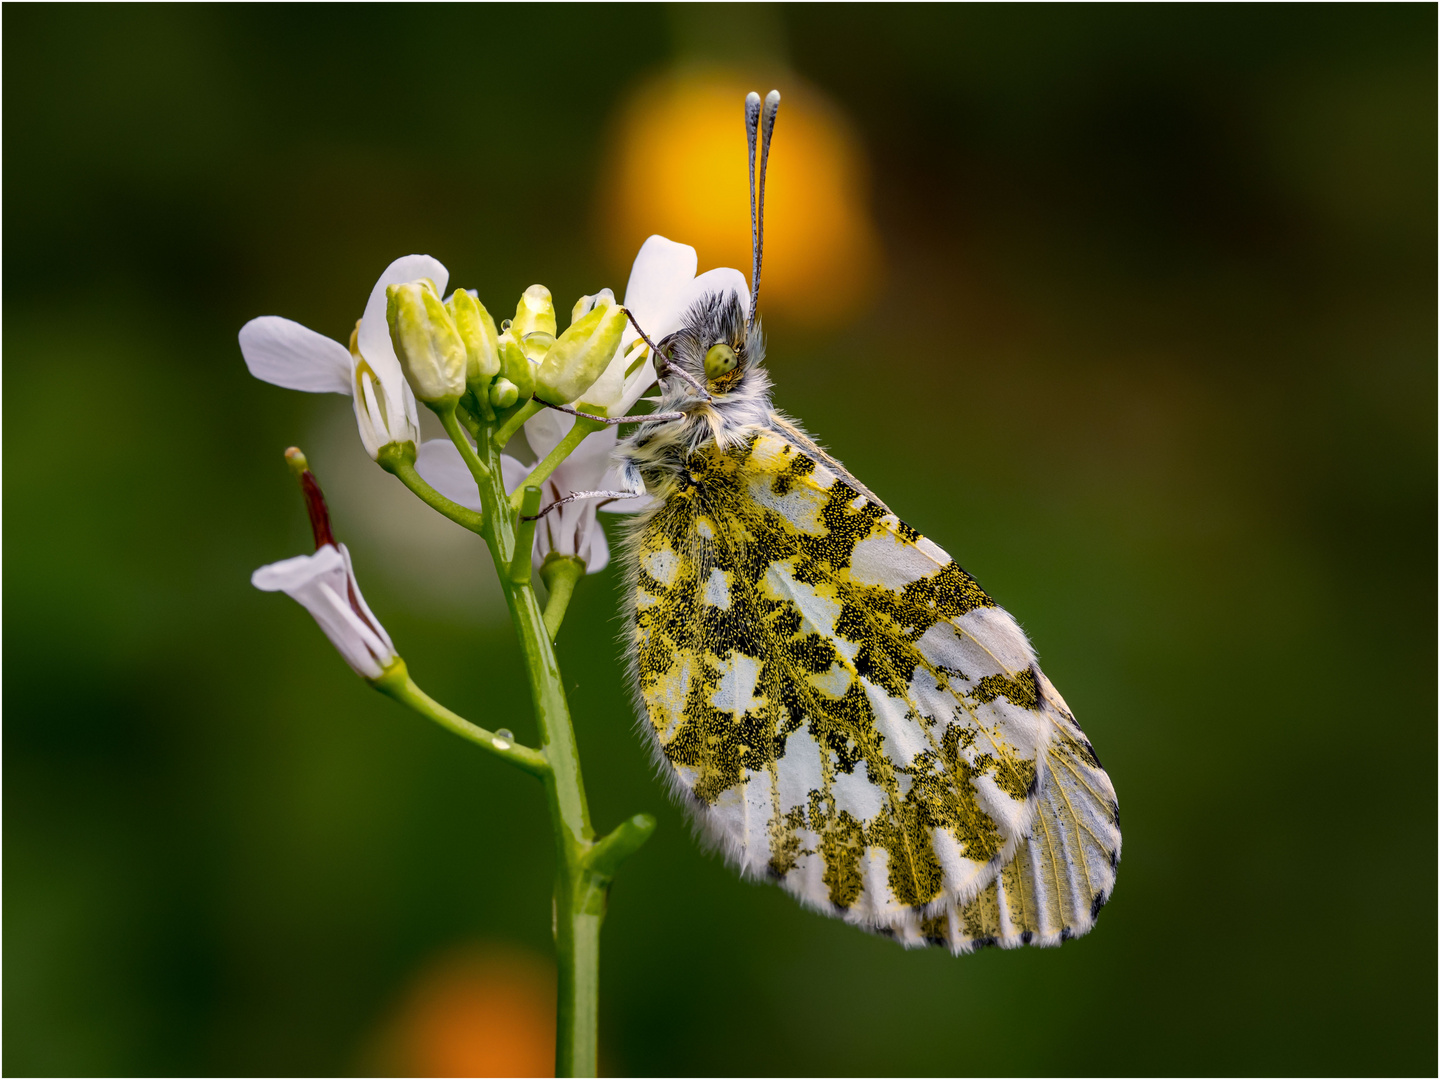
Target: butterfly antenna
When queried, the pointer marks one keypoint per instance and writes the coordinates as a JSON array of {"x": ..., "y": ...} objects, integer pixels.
[{"x": 764, "y": 126}]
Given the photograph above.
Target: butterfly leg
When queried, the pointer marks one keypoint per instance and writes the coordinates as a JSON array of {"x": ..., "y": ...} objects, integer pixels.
[
  {"x": 577, "y": 495},
  {"x": 612, "y": 421},
  {"x": 663, "y": 366}
]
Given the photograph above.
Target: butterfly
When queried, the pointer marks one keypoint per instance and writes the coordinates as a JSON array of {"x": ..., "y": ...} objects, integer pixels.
[{"x": 841, "y": 706}]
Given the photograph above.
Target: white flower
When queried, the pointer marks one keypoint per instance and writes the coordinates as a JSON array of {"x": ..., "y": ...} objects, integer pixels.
[
  {"x": 571, "y": 530},
  {"x": 662, "y": 287},
  {"x": 324, "y": 583},
  {"x": 283, "y": 352}
]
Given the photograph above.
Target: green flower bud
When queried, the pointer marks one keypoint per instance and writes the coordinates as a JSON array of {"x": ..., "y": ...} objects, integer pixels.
[
  {"x": 515, "y": 365},
  {"x": 581, "y": 354},
  {"x": 477, "y": 330},
  {"x": 503, "y": 393},
  {"x": 428, "y": 345},
  {"x": 537, "y": 344},
  {"x": 535, "y": 313},
  {"x": 585, "y": 304}
]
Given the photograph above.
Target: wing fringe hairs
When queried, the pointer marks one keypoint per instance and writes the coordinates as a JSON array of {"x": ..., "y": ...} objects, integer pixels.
[{"x": 1056, "y": 865}]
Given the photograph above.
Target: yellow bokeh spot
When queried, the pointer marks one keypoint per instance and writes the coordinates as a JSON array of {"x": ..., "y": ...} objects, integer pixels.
[{"x": 679, "y": 169}]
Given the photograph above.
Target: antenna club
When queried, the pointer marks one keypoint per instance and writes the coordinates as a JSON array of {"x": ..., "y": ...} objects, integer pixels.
[
  {"x": 752, "y": 101},
  {"x": 772, "y": 99}
]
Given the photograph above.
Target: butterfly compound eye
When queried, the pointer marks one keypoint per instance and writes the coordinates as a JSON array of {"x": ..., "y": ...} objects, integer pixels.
[{"x": 720, "y": 360}]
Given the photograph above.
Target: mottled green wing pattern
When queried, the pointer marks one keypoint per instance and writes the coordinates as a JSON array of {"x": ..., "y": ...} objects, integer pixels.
[{"x": 848, "y": 712}]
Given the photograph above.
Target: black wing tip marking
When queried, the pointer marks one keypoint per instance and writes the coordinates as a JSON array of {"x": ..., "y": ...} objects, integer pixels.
[{"x": 1101, "y": 899}]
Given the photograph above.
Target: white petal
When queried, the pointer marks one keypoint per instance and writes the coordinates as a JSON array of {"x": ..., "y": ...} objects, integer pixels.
[
  {"x": 663, "y": 270},
  {"x": 613, "y": 393},
  {"x": 599, "y": 557},
  {"x": 545, "y": 429},
  {"x": 627, "y": 506},
  {"x": 720, "y": 280},
  {"x": 440, "y": 465},
  {"x": 356, "y": 596},
  {"x": 632, "y": 388},
  {"x": 324, "y": 584},
  {"x": 611, "y": 482},
  {"x": 368, "y": 417},
  {"x": 513, "y": 472},
  {"x": 374, "y": 340},
  {"x": 404, "y": 418},
  {"x": 582, "y": 470},
  {"x": 298, "y": 572},
  {"x": 376, "y": 347},
  {"x": 282, "y": 352}
]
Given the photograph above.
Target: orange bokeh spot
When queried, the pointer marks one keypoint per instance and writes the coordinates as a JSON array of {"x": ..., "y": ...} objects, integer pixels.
[
  {"x": 484, "y": 1011},
  {"x": 680, "y": 170}
]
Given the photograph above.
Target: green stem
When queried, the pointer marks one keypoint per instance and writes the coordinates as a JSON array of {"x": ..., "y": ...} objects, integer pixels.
[
  {"x": 579, "y": 891},
  {"x": 507, "y": 430},
  {"x": 470, "y": 417},
  {"x": 524, "y": 535},
  {"x": 559, "y": 573},
  {"x": 563, "y": 449},
  {"x": 396, "y": 683},
  {"x": 578, "y": 908},
  {"x": 478, "y": 469},
  {"x": 399, "y": 461},
  {"x": 583, "y": 868},
  {"x": 627, "y": 838}
]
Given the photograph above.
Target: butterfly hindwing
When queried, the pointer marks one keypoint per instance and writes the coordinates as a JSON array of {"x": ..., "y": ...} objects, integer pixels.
[{"x": 847, "y": 711}]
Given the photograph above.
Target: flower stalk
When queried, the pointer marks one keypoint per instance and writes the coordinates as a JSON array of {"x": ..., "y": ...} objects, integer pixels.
[
  {"x": 581, "y": 885},
  {"x": 397, "y": 683},
  {"x": 486, "y": 384}
]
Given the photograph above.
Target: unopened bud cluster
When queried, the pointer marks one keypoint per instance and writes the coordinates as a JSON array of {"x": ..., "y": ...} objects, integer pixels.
[{"x": 450, "y": 349}]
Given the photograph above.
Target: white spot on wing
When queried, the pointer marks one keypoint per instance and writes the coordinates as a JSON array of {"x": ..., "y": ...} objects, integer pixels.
[
  {"x": 854, "y": 792},
  {"x": 736, "y": 692},
  {"x": 945, "y": 647},
  {"x": 904, "y": 737},
  {"x": 999, "y": 635},
  {"x": 961, "y": 874},
  {"x": 799, "y": 506},
  {"x": 1010, "y": 814},
  {"x": 875, "y": 900},
  {"x": 883, "y": 558},
  {"x": 717, "y": 589},
  {"x": 931, "y": 701},
  {"x": 819, "y": 612},
  {"x": 799, "y": 770},
  {"x": 661, "y": 565},
  {"x": 759, "y": 809},
  {"x": 666, "y": 700},
  {"x": 807, "y": 879},
  {"x": 929, "y": 547}
]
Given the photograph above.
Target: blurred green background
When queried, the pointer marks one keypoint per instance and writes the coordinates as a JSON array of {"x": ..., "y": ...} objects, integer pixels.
[{"x": 1150, "y": 346}]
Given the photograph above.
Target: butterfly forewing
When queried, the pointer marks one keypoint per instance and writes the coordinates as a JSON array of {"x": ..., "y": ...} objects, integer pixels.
[{"x": 849, "y": 712}]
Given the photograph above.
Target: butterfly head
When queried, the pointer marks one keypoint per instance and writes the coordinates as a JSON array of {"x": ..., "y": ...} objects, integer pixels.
[
  {"x": 716, "y": 345},
  {"x": 720, "y": 345}
]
